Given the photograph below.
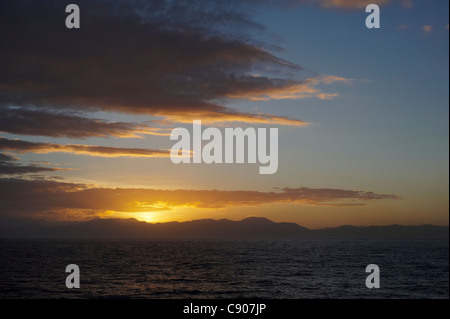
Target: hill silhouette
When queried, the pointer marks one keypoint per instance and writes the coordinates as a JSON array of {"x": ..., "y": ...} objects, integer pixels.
[{"x": 249, "y": 228}]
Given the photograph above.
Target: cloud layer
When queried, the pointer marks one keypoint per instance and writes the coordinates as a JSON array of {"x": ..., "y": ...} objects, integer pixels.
[
  {"x": 20, "y": 146},
  {"x": 52, "y": 196},
  {"x": 9, "y": 166},
  {"x": 25, "y": 121},
  {"x": 351, "y": 4},
  {"x": 176, "y": 61}
]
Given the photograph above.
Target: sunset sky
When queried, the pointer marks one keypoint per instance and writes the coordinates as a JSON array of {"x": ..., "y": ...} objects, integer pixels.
[{"x": 86, "y": 114}]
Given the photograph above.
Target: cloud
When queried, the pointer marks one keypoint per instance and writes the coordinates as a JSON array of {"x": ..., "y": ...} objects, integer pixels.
[
  {"x": 227, "y": 116},
  {"x": 159, "y": 58},
  {"x": 329, "y": 194},
  {"x": 408, "y": 4},
  {"x": 7, "y": 158},
  {"x": 325, "y": 4},
  {"x": 351, "y": 4},
  {"x": 19, "y": 170},
  {"x": 45, "y": 195},
  {"x": 57, "y": 124},
  {"x": 20, "y": 146},
  {"x": 298, "y": 90},
  {"x": 8, "y": 166},
  {"x": 427, "y": 29}
]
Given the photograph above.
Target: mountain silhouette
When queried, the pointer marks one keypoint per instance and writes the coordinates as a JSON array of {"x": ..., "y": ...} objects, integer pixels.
[{"x": 248, "y": 228}]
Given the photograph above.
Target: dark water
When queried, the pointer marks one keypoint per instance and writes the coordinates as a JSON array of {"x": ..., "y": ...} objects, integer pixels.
[{"x": 233, "y": 269}]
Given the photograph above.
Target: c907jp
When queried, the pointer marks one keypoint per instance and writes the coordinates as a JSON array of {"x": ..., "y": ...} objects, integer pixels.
[{"x": 252, "y": 308}]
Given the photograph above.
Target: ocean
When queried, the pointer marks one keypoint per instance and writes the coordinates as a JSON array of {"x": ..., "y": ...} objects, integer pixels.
[{"x": 273, "y": 269}]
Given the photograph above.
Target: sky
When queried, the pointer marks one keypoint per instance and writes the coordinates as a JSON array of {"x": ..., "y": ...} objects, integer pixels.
[{"x": 362, "y": 114}]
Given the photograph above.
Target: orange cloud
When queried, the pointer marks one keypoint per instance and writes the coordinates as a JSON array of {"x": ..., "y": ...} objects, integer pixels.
[
  {"x": 427, "y": 29},
  {"x": 408, "y": 4},
  {"x": 297, "y": 90},
  {"x": 351, "y": 4},
  {"x": 230, "y": 116},
  {"x": 21, "y": 146}
]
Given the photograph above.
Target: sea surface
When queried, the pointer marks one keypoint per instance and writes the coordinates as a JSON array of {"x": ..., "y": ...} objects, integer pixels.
[{"x": 279, "y": 269}]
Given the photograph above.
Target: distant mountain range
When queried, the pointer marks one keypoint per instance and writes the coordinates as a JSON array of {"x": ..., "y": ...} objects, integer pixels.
[{"x": 249, "y": 228}]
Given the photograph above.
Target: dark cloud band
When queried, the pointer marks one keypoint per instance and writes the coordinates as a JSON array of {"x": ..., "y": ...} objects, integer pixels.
[
  {"x": 174, "y": 59},
  {"x": 44, "y": 195},
  {"x": 25, "y": 121},
  {"x": 9, "y": 166}
]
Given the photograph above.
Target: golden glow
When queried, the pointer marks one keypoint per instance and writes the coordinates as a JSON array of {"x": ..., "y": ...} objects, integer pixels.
[
  {"x": 149, "y": 217},
  {"x": 165, "y": 215}
]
